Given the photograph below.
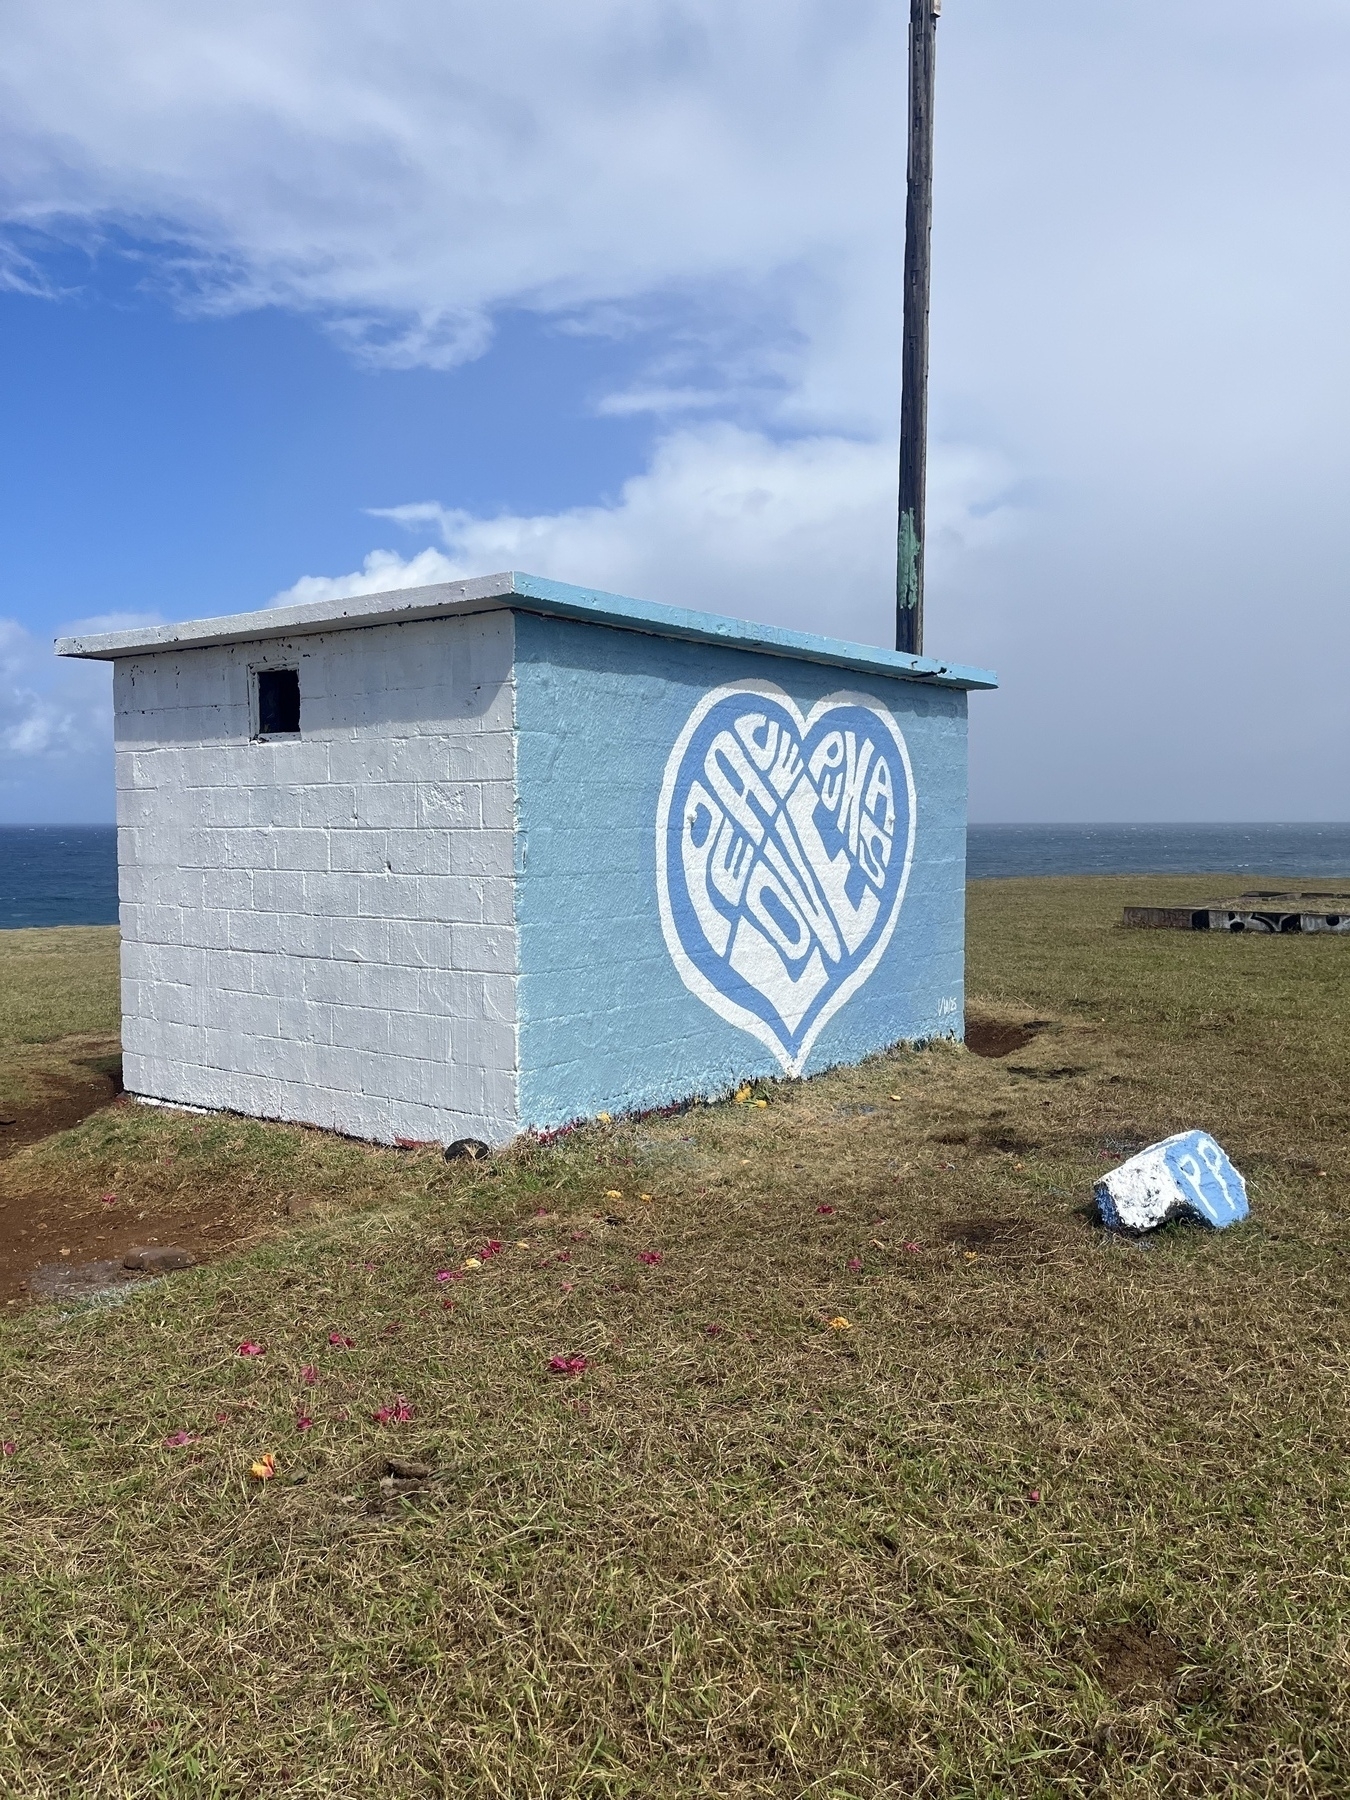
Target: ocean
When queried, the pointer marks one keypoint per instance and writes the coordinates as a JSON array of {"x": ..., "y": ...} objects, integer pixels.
[
  {"x": 58, "y": 875},
  {"x": 67, "y": 874},
  {"x": 1283, "y": 851}
]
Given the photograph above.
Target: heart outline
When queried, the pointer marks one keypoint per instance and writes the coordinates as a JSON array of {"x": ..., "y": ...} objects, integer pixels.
[{"x": 689, "y": 972}]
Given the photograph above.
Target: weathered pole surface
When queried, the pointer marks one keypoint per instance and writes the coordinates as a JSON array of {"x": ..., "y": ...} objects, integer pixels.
[{"x": 923, "y": 18}]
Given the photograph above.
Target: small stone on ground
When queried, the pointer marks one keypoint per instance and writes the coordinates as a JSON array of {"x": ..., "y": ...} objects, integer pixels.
[{"x": 158, "y": 1259}]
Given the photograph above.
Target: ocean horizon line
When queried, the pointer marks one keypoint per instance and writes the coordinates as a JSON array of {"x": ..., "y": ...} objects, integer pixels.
[{"x": 54, "y": 874}]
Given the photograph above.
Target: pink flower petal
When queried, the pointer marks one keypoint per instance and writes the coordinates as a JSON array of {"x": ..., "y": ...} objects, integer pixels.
[
  {"x": 568, "y": 1365},
  {"x": 651, "y": 1257},
  {"x": 178, "y": 1440},
  {"x": 824, "y": 1209},
  {"x": 309, "y": 1375},
  {"x": 8, "y": 1447},
  {"x": 855, "y": 1265},
  {"x": 340, "y": 1341},
  {"x": 304, "y": 1423},
  {"x": 108, "y": 1199},
  {"x": 397, "y": 1412},
  {"x": 249, "y": 1348}
]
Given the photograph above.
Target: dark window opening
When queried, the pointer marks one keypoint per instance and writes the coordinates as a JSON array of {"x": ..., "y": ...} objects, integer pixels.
[{"x": 278, "y": 702}]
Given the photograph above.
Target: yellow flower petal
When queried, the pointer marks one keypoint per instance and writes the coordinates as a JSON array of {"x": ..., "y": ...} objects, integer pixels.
[
  {"x": 761, "y": 1103},
  {"x": 613, "y": 1194},
  {"x": 742, "y": 1094},
  {"x": 265, "y": 1467},
  {"x": 471, "y": 1262},
  {"x": 840, "y": 1324},
  {"x": 603, "y": 1118}
]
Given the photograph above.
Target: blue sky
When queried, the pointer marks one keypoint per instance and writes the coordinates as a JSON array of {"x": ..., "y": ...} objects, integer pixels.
[
  {"x": 317, "y": 297},
  {"x": 202, "y": 463}
]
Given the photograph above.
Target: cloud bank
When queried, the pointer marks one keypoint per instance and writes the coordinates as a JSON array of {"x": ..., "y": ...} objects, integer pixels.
[{"x": 724, "y": 520}]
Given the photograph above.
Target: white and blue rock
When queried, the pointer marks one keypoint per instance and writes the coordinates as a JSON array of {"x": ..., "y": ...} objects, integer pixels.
[{"x": 1186, "y": 1176}]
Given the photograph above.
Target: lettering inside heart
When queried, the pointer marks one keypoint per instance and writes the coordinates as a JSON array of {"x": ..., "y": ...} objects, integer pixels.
[{"x": 783, "y": 850}]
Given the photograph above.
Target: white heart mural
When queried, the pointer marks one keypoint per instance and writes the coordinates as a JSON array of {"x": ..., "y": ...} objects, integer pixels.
[{"x": 783, "y": 849}]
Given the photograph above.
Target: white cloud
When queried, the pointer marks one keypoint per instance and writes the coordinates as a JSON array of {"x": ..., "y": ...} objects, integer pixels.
[
  {"x": 54, "y": 720},
  {"x": 661, "y": 401},
  {"x": 381, "y": 571},
  {"x": 55, "y": 725},
  {"x": 407, "y": 169},
  {"x": 726, "y": 520}
]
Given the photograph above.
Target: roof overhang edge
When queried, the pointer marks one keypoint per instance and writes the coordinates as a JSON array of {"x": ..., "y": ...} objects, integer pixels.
[{"x": 518, "y": 593}]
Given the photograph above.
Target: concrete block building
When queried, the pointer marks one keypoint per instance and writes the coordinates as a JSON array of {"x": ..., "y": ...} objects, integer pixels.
[{"x": 494, "y": 855}]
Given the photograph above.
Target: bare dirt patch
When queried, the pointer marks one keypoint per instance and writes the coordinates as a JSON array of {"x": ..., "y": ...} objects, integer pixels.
[
  {"x": 994, "y": 1135},
  {"x": 989, "y": 1236},
  {"x": 45, "y": 1249},
  {"x": 999, "y": 1037},
  {"x": 66, "y": 1227},
  {"x": 65, "y": 1230},
  {"x": 1005, "y": 1138},
  {"x": 1132, "y": 1662},
  {"x": 60, "y": 1103},
  {"x": 1063, "y": 1072}
]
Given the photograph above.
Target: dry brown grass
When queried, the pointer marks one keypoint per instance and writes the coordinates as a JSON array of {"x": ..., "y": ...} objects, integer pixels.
[{"x": 743, "y": 1553}]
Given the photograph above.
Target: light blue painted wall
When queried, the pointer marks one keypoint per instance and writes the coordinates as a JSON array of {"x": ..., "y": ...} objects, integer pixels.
[{"x": 605, "y": 1020}]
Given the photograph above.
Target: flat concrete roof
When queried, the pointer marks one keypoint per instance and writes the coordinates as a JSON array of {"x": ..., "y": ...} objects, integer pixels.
[{"x": 519, "y": 593}]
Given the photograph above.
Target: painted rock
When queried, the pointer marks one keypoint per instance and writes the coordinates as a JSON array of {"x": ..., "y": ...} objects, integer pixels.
[{"x": 1185, "y": 1175}]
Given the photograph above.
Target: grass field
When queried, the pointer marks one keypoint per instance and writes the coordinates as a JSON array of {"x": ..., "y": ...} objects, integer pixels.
[{"x": 1050, "y": 1514}]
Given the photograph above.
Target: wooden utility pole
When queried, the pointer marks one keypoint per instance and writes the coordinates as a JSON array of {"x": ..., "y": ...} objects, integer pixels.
[{"x": 923, "y": 18}]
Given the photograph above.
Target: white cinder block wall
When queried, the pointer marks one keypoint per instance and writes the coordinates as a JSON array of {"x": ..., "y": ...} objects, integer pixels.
[{"x": 322, "y": 928}]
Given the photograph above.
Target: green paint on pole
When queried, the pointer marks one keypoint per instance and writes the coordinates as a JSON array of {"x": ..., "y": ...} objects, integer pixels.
[{"x": 907, "y": 568}]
